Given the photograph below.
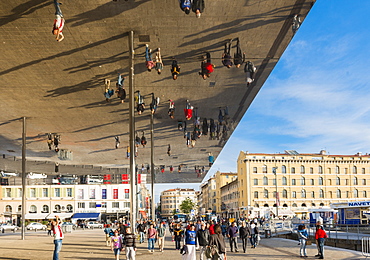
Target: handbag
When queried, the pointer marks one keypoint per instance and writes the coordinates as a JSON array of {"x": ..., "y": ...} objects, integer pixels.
[
  {"x": 184, "y": 250},
  {"x": 309, "y": 242},
  {"x": 214, "y": 252},
  {"x": 208, "y": 252}
]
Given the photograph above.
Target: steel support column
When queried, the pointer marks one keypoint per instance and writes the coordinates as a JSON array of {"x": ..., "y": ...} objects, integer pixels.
[
  {"x": 23, "y": 218},
  {"x": 152, "y": 164},
  {"x": 132, "y": 133}
]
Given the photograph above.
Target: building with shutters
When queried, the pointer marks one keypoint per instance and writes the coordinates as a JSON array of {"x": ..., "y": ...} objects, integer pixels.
[{"x": 291, "y": 183}]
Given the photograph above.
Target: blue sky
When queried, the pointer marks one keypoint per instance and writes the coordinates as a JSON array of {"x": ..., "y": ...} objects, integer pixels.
[{"x": 317, "y": 97}]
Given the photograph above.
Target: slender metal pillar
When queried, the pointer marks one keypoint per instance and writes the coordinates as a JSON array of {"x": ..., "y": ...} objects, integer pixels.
[
  {"x": 23, "y": 219},
  {"x": 132, "y": 132},
  {"x": 152, "y": 163},
  {"x": 276, "y": 192}
]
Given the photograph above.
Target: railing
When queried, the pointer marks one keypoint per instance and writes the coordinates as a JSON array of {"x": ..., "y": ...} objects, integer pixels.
[
  {"x": 355, "y": 237},
  {"x": 365, "y": 246}
]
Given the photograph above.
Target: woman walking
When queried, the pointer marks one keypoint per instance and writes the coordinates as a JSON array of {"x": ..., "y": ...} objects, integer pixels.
[
  {"x": 217, "y": 239},
  {"x": 116, "y": 244},
  {"x": 190, "y": 241},
  {"x": 130, "y": 244},
  {"x": 178, "y": 233}
]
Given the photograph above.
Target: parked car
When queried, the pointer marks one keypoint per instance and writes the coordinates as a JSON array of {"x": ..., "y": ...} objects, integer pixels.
[
  {"x": 69, "y": 224},
  {"x": 36, "y": 225},
  {"x": 94, "y": 225},
  {"x": 7, "y": 226}
]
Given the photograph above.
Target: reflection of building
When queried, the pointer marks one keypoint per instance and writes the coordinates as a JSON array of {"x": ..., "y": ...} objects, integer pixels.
[
  {"x": 41, "y": 200},
  {"x": 111, "y": 201},
  {"x": 302, "y": 181},
  {"x": 144, "y": 201},
  {"x": 171, "y": 200}
]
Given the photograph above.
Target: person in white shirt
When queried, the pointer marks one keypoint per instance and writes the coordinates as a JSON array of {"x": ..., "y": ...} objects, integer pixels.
[
  {"x": 58, "y": 237},
  {"x": 58, "y": 22}
]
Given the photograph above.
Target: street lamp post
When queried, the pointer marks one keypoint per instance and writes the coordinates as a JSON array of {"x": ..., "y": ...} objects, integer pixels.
[{"x": 276, "y": 192}]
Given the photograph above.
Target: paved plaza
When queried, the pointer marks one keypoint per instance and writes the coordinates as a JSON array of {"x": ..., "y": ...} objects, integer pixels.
[{"x": 90, "y": 245}]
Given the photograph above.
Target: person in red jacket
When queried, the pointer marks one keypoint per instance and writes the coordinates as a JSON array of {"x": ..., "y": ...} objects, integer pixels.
[
  {"x": 206, "y": 66},
  {"x": 212, "y": 228},
  {"x": 320, "y": 236}
]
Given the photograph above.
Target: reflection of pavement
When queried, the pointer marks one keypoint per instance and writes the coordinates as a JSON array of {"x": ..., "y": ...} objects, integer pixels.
[{"x": 90, "y": 244}]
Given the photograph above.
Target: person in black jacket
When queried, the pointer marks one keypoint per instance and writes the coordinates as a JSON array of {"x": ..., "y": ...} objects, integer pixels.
[
  {"x": 130, "y": 244},
  {"x": 198, "y": 7},
  {"x": 203, "y": 239},
  {"x": 244, "y": 234}
]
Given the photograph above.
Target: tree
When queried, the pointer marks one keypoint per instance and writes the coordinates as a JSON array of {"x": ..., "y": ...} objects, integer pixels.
[{"x": 187, "y": 205}]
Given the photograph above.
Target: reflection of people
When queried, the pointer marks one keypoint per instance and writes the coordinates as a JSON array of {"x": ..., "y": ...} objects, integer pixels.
[
  {"x": 58, "y": 22},
  {"x": 198, "y": 7}
]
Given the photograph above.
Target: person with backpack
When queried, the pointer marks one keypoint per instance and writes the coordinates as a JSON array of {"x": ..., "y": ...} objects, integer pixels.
[
  {"x": 108, "y": 233},
  {"x": 217, "y": 245},
  {"x": 302, "y": 236}
]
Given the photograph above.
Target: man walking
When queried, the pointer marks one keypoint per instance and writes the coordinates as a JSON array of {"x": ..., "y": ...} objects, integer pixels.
[
  {"x": 141, "y": 230},
  {"x": 161, "y": 232},
  {"x": 239, "y": 57},
  {"x": 232, "y": 234},
  {"x": 203, "y": 239},
  {"x": 226, "y": 57},
  {"x": 58, "y": 237}
]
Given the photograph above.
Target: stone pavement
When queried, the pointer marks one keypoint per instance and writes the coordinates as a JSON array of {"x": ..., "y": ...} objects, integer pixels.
[{"x": 90, "y": 245}]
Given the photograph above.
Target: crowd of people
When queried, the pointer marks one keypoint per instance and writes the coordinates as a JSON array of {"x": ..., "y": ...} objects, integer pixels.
[{"x": 208, "y": 237}]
